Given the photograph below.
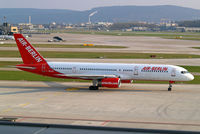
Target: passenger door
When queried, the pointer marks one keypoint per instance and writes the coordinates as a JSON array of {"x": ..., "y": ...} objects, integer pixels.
[
  {"x": 74, "y": 70},
  {"x": 173, "y": 73}
]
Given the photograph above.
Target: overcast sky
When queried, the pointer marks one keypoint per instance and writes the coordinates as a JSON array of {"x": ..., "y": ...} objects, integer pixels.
[{"x": 88, "y": 4}]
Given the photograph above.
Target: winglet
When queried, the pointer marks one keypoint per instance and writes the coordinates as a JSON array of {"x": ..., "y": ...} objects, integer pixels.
[{"x": 28, "y": 53}]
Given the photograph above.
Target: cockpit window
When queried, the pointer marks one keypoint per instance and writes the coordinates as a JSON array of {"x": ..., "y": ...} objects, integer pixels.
[{"x": 184, "y": 72}]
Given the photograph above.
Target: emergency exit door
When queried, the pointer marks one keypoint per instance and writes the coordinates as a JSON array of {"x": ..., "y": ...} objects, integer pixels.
[{"x": 136, "y": 70}]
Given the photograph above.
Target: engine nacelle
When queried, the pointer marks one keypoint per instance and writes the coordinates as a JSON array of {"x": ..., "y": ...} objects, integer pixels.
[
  {"x": 126, "y": 81},
  {"x": 110, "y": 83}
]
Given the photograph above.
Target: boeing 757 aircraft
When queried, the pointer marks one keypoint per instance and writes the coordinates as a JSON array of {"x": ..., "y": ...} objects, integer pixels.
[{"x": 102, "y": 74}]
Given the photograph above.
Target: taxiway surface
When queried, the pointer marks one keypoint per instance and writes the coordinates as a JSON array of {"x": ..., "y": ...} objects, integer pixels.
[
  {"x": 134, "y": 44},
  {"x": 132, "y": 105},
  {"x": 136, "y": 106}
]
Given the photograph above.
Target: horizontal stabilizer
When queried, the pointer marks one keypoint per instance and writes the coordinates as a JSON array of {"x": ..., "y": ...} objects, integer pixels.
[{"x": 23, "y": 67}]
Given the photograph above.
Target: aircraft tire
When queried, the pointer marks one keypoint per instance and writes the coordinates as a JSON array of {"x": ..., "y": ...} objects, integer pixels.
[
  {"x": 169, "y": 89},
  {"x": 93, "y": 88}
]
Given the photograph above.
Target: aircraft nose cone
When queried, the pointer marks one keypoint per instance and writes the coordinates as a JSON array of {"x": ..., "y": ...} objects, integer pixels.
[{"x": 191, "y": 77}]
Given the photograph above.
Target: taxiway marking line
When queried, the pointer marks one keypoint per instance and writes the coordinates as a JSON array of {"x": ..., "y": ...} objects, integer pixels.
[
  {"x": 71, "y": 89},
  {"x": 40, "y": 131},
  {"x": 25, "y": 104},
  {"x": 19, "y": 120},
  {"x": 41, "y": 99},
  {"x": 75, "y": 88},
  {"x": 104, "y": 123},
  {"x": 7, "y": 110},
  {"x": 57, "y": 93}
]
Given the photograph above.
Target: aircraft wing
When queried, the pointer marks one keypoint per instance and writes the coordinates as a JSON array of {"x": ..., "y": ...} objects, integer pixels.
[{"x": 88, "y": 76}]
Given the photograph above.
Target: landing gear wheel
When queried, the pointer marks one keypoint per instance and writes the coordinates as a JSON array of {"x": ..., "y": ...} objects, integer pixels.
[
  {"x": 170, "y": 87},
  {"x": 96, "y": 88},
  {"x": 95, "y": 85},
  {"x": 93, "y": 88}
]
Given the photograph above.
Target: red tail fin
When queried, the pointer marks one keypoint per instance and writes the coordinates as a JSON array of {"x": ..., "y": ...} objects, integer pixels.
[{"x": 27, "y": 51}]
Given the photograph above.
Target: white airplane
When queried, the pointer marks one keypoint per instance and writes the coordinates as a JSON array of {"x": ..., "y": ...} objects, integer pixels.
[{"x": 102, "y": 74}]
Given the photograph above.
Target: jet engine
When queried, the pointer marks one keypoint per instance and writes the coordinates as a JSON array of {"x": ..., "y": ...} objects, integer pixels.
[
  {"x": 126, "y": 81},
  {"x": 110, "y": 83}
]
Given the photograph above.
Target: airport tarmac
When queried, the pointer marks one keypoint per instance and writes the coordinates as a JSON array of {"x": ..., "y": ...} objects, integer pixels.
[
  {"x": 134, "y": 44},
  {"x": 132, "y": 105},
  {"x": 186, "y": 62}
]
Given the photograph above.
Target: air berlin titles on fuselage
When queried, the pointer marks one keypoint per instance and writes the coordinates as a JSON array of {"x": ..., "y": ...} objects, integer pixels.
[
  {"x": 30, "y": 50},
  {"x": 153, "y": 69}
]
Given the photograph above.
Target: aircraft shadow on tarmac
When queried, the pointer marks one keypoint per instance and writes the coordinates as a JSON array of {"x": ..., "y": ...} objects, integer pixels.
[
  {"x": 28, "y": 90},
  {"x": 117, "y": 90},
  {"x": 59, "y": 87},
  {"x": 86, "y": 88}
]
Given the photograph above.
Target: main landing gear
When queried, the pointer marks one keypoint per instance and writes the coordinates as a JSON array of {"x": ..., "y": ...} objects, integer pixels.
[
  {"x": 95, "y": 85},
  {"x": 170, "y": 85},
  {"x": 94, "y": 88}
]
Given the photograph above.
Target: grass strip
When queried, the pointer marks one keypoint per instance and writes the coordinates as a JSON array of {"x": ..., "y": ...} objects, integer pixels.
[
  {"x": 196, "y": 47},
  {"x": 64, "y": 46},
  {"x": 6, "y": 64},
  {"x": 106, "y": 55},
  {"x": 193, "y": 69}
]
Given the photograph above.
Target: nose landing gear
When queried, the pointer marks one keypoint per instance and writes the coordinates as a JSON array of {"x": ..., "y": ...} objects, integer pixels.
[{"x": 170, "y": 85}]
